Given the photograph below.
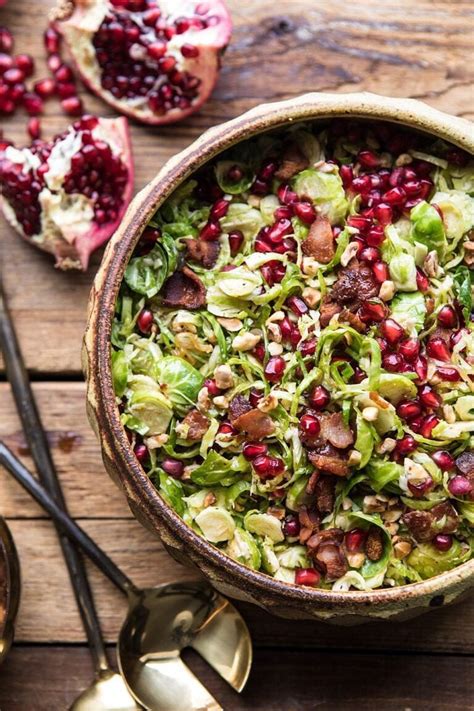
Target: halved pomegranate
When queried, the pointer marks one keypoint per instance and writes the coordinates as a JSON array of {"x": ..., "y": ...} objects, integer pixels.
[
  {"x": 68, "y": 195},
  {"x": 154, "y": 60}
]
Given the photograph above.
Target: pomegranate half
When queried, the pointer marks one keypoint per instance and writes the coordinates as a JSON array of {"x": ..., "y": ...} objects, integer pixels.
[
  {"x": 156, "y": 61},
  {"x": 67, "y": 196}
]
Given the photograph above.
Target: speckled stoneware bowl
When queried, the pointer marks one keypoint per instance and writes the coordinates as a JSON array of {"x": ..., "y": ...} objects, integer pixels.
[
  {"x": 228, "y": 576},
  {"x": 9, "y": 588}
]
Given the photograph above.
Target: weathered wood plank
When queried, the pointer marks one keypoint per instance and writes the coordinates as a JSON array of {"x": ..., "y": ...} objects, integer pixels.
[
  {"x": 283, "y": 681},
  {"x": 396, "y": 47}
]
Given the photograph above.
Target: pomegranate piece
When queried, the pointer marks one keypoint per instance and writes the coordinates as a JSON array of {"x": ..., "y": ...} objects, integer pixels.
[
  {"x": 391, "y": 331},
  {"x": 6, "y": 40},
  {"x": 154, "y": 64},
  {"x": 274, "y": 369},
  {"x": 145, "y": 320},
  {"x": 252, "y": 450},
  {"x": 173, "y": 467},
  {"x": 459, "y": 486},
  {"x": 268, "y": 467},
  {"x": 307, "y": 576},
  {"x": 78, "y": 186},
  {"x": 438, "y": 348},
  {"x": 355, "y": 539}
]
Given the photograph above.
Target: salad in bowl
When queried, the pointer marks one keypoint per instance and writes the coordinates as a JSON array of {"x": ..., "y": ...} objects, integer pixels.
[{"x": 293, "y": 354}]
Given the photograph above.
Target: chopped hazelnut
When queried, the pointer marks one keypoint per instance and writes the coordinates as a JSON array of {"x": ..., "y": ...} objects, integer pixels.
[
  {"x": 223, "y": 377},
  {"x": 311, "y": 296},
  {"x": 387, "y": 290},
  {"x": 402, "y": 549},
  {"x": 246, "y": 341}
]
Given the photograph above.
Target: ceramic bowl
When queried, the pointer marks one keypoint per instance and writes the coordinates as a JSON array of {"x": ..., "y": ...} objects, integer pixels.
[
  {"x": 9, "y": 588},
  {"x": 228, "y": 576}
]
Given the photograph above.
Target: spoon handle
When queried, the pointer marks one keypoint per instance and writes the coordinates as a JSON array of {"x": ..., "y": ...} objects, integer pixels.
[{"x": 72, "y": 530}]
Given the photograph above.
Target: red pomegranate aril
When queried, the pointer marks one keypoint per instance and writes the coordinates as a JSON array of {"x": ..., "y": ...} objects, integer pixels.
[
  {"x": 421, "y": 368},
  {"x": 268, "y": 467},
  {"x": 395, "y": 196},
  {"x": 190, "y": 51},
  {"x": 274, "y": 369},
  {"x": 52, "y": 41},
  {"x": 451, "y": 375},
  {"x": 428, "y": 425},
  {"x": 173, "y": 467},
  {"x": 361, "y": 184},
  {"x": 210, "y": 232},
  {"x": 444, "y": 460},
  {"x": 212, "y": 387},
  {"x": 141, "y": 453},
  {"x": 391, "y": 331},
  {"x": 13, "y": 76},
  {"x": 297, "y": 305},
  {"x": 422, "y": 281},
  {"x": 347, "y": 175},
  {"x": 459, "y": 486},
  {"x": 6, "y": 40},
  {"x": 372, "y": 311},
  {"x": 259, "y": 187},
  {"x": 370, "y": 255},
  {"x": 383, "y": 213},
  {"x": 426, "y": 187},
  {"x": 286, "y": 195},
  {"x": 392, "y": 362},
  {"x": 255, "y": 396},
  {"x": 66, "y": 90},
  {"x": 443, "y": 542},
  {"x": 359, "y": 222},
  {"x": 259, "y": 352},
  {"x": 412, "y": 187},
  {"x": 428, "y": 397},
  {"x": 310, "y": 425},
  {"x": 267, "y": 273},
  {"x": 251, "y": 450},
  {"x": 437, "y": 348},
  {"x": 33, "y": 104},
  {"x": 380, "y": 272},
  {"x": 420, "y": 488},
  {"x": 151, "y": 16},
  {"x": 319, "y": 398},
  {"x": 305, "y": 211},
  {"x": 226, "y": 428},
  {"x": 415, "y": 424},
  {"x": 383, "y": 344},
  {"x": 375, "y": 236},
  {"x": 279, "y": 230},
  {"x": 64, "y": 74},
  {"x": 156, "y": 50},
  {"x": 236, "y": 240},
  {"x": 291, "y": 526},
  {"x": 409, "y": 348},
  {"x": 33, "y": 127},
  {"x": 308, "y": 348},
  {"x": 355, "y": 539},
  {"x": 25, "y": 63},
  {"x": 405, "y": 445},
  {"x": 283, "y": 213},
  {"x": 447, "y": 317},
  {"x": 456, "y": 336},
  {"x": 286, "y": 328},
  {"x": 262, "y": 246},
  {"x": 6, "y": 62},
  {"x": 219, "y": 209},
  {"x": 54, "y": 62},
  {"x": 307, "y": 576},
  {"x": 45, "y": 87},
  {"x": 409, "y": 410},
  {"x": 145, "y": 320},
  {"x": 368, "y": 159},
  {"x": 72, "y": 106}
]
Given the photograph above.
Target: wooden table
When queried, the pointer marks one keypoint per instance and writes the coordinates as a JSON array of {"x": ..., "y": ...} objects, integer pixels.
[{"x": 421, "y": 49}]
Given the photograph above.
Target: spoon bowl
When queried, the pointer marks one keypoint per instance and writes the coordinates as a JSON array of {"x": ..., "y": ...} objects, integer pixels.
[{"x": 107, "y": 693}]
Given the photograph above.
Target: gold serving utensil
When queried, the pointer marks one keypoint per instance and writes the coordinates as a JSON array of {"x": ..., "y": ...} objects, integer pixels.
[
  {"x": 161, "y": 622},
  {"x": 108, "y": 691},
  {"x": 9, "y": 588}
]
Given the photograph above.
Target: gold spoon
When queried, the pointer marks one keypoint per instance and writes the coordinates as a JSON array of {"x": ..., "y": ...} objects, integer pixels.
[
  {"x": 9, "y": 588},
  {"x": 161, "y": 621},
  {"x": 108, "y": 691}
]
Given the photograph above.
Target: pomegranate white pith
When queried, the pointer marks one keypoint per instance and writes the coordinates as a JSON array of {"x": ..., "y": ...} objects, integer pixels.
[
  {"x": 67, "y": 196},
  {"x": 156, "y": 61}
]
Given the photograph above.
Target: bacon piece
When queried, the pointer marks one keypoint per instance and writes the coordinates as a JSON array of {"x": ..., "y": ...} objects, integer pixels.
[
  {"x": 425, "y": 525},
  {"x": 319, "y": 243},
  {"x": 238, "y": 406},
  {"x": 355, "y": 284},
  {"x": 327, "y": 310},
  {"x": 255, "y": 423},
  {"x": 293, "y": 161},
  {"x": 335, "y": 431},
  {"x": 329, "y": 460},
  {"x": 374, "y": 544},
  {"x": 205, "y": 253},
  {"x": 326, "y": 550},
  {"x": 184, "y": 289},
  {"x": 311, "y": 485},
  {"x": 309, "y": 523},
  {"x": 353, "y": 320},
  {"x": 325, "y": 493},
  {"x": 198, "y": 425}
]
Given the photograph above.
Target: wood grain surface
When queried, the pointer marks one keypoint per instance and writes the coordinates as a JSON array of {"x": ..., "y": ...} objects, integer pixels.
[{"x": 422, "y": 49}]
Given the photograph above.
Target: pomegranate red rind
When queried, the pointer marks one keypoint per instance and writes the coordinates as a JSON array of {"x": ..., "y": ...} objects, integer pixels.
[
  {"x": 156, "y": 64},
  {"x": 68, "y": 196}
]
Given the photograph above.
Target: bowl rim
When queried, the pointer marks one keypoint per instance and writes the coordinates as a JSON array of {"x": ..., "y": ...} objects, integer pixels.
[{"x": 97, "y": 364}]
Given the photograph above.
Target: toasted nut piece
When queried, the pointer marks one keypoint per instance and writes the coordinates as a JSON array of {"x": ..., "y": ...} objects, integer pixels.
[
  {"x": 469, "y": 253},
  {"x": 274, "y": 332},
  {"x": 387, "y": 290},
  {"x": 246, "y": 341},
  {"x": 310, "y": 266},
  {"x": 311, "y": 297},
  {"x": 355, "y": 560},
  {"x": 230, "y": 324},
  {"x": 401, "y": 549},
  {"x": 268, "y": 403},
  {"x": 392, "y": 515},
  {"x": 349, "y": 253},
  {"x": 203, "y": 400},
  {"x": 431, "y": 264},
  {"x": 277, "y": 512},
  {"x": 355, "y": 458},
  {"x": 223, "y": 377},
  {"x": 221, "y": 402},
  {"x": 156, "y": 441},
  {"x": 275, "y": 348},
  {"x": 387, "y": 445},
  {"x": 277, "y": 316},
  {"x": 371, "y": 504},
  {"x": 449, "y": 414},
  {"x": 392, "y": 528},
  {"x": 370, "y": 413},
  {"x": 403, "y": 159},
  {"x": 209, "y": 499}
]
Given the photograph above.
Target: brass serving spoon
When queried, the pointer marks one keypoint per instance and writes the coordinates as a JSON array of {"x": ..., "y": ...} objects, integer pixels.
[
  {"x": 107, "y": 691},
  {"x": 161, "y": 622}
]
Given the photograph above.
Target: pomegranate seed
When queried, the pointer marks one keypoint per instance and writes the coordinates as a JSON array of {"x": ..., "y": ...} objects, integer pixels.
[
  {"x": 274, "y": 369},
  {"x": 360, "y": 222},
  {"x": 6, "y": 62},
  {"x": 428, "y": 397},
  {"x": 226, "y": 428},
  {"x": 25, "y": 63},
  {"x": 6, "y": 40},
  {"x": 236, "y": 240},
  {"x": 437, "y": 348},
  {"x": 368, "y": 159},
  {"x": 310, "y": 426},
  {"x": 392, "y": 362},
  {"x": 361, "y": 184},
  {"x": 444, "y": 460},
  {"x": 45, "y": 88},
  {"x": 384, "y": 347},
  {"x": 268, "y": 467},
  {"x": 141, "y": 453},
  {"x": 449, "y": 374},
  {"x": 408, "y": 410},
  {"x": 420, "y": 488},
  {"x": 262, "y": 246},
  {"x": 428, "y": 425},
  {"x": 459, "y": 486},
  {"x": 145, "y": 320},
  {"x": 34, "y": 127},
  {"x": 425, "y": 189},
  {"x": 319, "y": 398},
  {"x": 391, "y": 331},
  {"x": 456, "y": 336},
  {"x": 443, "y": 542},
  {"x": 283, "y": 213},
  {"x": 409, "y": 348},
  {"x": 72, "y": 106},
  {"x": 412, "y": 187},
  {"x": 260, "y": 187},
  {"x": 380, "y": 271},
  {"x": 297, "y": 305},
  {"x": 375, "y": 236},
  {"x": 190, "y": 51},
  {"x": 52, "y": 41},
  {"x": 210, "y": 232},
  {"x": 268, "y": 170},
  {"x": 291, "y": 526},
  {"x": 33, "y": 104},
  {"x": 355, "y": 539},
  {"x": 285, "y": 195},
  {"x": 395, "y": 196},
  {"x": 307, "y": 576},
  {"x": 405, "y": 445},
  {"x": 421, "y": 368},
  {"x": 308, "y": 348},
  {"x": 251, "y": 450},
  {"x": 219, "y": 209},
  {"x": 150, "y": 17},
  {"x": 422, "y": 281},
  {"x": 279, "y": 230},
  {"x": 173, "y": 467},
  {"x": 370, "y": 255},
  {"x": 13, "y": 76},
  {"x": 447, "y": 317},
  {"x": 347, "y": 175},
  {"x": 255, "y": 396},
  {"x": 259, "y": 352},
  {"x": 372, "y": 311},
  {"x": 383, "y": 213},
  {"x": 235, "y": 174},
  {"x": 305, "y": 211},
  {"x": 212, "y": 387}
]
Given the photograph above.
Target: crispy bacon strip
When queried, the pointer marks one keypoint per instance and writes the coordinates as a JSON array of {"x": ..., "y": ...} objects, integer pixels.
[
  {"x": 319, "y": 243},
  {"x": 184, "y": 289},
  {"x": 293, "y": 162},
  {"x": 335, "y": 431},
  {"x": 198, "y": 425},
  {"x": 255, "y": 423},
  {"x": 205, "y": 253}
]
